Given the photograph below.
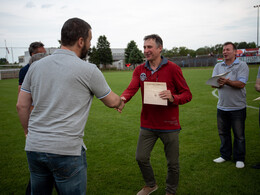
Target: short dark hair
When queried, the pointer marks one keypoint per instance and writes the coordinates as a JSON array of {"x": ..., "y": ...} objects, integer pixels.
[
  {"x": 72, "y": 30},
  {"x": 157, "y": 38},
  {"x": 230, "y": 43},
  {"x": 34, "y": 47}
]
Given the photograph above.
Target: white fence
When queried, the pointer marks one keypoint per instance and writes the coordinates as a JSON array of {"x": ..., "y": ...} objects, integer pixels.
[{"x": 250, "y": 59}]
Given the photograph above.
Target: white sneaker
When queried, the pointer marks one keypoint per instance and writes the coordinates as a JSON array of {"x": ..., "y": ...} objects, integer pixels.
[
  {"x": 240, "y": 164},
  {"x": 219, "y": 160}
]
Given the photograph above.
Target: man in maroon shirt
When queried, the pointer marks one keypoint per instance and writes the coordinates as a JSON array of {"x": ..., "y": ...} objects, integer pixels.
[{"x": 159, "y": 121}]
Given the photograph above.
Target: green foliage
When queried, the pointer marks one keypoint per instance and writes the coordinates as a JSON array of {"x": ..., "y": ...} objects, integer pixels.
[
  {"x": 203, "y": 51},
  {"x": 111, "y": 139},
  {"x": 167, "y": 53},
  {"x": 245, "y": 45},
  {"x": 104, "y": 51},
  {"x": 130, "y": 46},
  {"x": 251, "y": 45},
  {"x": 176, "y": 52},
  {"x": 59, "y": 41},
  {"x": 3, "y": 61},
  {"x": 136, "y": 56},
  {"x": 94, "y": 56},
  {"x": 217, "y": 49},
  {"x": 183, "y": 51}
]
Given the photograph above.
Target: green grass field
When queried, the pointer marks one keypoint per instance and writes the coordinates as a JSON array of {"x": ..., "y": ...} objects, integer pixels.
[{"x": 111, "y": 140}]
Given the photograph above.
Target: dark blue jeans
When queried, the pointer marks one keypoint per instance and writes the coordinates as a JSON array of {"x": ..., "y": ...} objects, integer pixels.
[
  {"x": 68, "y": 172},
  {"x": 235, "y": 120}
]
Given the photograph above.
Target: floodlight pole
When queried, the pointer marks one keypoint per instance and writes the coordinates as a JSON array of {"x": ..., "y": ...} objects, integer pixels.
[{"x": 257, "y": 6}]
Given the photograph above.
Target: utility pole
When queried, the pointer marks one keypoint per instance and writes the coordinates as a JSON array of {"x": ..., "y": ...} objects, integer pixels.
[{"x": 257, "y": 6}]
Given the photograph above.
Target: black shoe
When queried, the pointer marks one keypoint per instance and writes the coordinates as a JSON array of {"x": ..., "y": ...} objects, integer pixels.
[{"x": 257, "y": 166}]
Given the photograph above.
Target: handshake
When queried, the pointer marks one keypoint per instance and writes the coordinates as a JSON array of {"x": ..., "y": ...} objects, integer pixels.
[{"x": 121, "y": 105}]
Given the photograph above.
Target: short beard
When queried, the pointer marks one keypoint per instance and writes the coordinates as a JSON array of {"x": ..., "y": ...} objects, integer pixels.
[{"x": 83, "y": 53}]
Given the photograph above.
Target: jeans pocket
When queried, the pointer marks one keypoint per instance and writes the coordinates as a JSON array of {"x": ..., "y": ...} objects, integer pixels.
[{"x": 67, "y": 166}]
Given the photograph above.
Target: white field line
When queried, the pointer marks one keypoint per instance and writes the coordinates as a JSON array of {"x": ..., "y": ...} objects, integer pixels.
[{"x": 214, "y": 93}]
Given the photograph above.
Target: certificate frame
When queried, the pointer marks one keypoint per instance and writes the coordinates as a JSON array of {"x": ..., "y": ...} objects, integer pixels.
[{"x": 151, "y": 93}]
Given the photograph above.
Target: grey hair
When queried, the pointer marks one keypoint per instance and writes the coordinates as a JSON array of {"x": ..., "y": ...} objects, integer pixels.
[
  {"x": 158, "y": 40},
  {"x": 37, "y": 56}
]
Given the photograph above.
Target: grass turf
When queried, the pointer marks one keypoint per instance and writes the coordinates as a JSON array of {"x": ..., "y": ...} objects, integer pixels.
[{"x": 111, "y": 140}]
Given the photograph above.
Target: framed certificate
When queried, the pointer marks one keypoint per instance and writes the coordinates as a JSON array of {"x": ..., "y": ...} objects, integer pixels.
[{"x": 151, "y": 93}]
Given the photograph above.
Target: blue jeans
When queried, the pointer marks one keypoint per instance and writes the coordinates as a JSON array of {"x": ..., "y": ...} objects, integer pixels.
[
  {"x": 68, "y": 172},
  {"x": 235, "y": 120}
]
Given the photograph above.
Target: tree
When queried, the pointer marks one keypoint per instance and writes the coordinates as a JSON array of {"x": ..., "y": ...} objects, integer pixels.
[
  {"x": 104, "y": 51},
  {"x": 183, "y": 51},
  {"x": 136, "y": 56},
  {"x": 202, "y": 51},
  {"x": 168, "y": 53},
  {"x": 59, "y": 43},
  {"x": 191, "y": 53},
  {"x": 175, "y": 51},
  {"x": 130, "y": 46},
  {"x": 218, "y": 49},
  {"x": 94, "y": 56},
  {"x": 3, "y": 61},
  {"x": 251, "y": 45},
  {"x": 242, "y": 45}
]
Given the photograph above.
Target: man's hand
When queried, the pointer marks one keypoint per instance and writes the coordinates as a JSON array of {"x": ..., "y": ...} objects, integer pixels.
[
  {"x": 235, "y": 84},
  {"x": 257, "y": 85},
  {"x": 166, "y": 94},
  {"x": 122, "y": 105},
  {"x": 222, "y": 81}
]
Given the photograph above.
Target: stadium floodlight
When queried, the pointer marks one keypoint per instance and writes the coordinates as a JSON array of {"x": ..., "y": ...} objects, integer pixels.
[{"x": 257, "y": 6}]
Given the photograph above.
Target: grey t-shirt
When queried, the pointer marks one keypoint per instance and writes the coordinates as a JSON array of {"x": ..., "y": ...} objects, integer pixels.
[
  {"x": 230, "y": 98},
  {"x": 62, "y": 88}
]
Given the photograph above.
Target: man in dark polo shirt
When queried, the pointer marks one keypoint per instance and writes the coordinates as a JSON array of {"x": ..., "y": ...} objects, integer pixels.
[{"x": 35, "y": 47}]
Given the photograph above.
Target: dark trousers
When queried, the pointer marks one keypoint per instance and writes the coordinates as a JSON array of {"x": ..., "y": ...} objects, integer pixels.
[
  {"x": 235, "y": 120},
  {"x": 146, "y": 142}
]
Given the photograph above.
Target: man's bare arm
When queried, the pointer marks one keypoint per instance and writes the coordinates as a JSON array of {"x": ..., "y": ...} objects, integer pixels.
[
  {"x": 236, "y": 84},
  {"x": 257, "y": 85},
  {"x": 112, "y": 100},
  {"x": 23, "y": 106}
]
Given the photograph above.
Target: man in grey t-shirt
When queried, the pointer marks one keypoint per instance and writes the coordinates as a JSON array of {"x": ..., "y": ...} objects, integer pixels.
[
  {"x": 61, "y": 87},
  {"x": 231, "y": 108}
]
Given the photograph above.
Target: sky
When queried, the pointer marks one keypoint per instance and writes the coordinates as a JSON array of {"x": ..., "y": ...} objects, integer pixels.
[{"x": 189, "y": 23}]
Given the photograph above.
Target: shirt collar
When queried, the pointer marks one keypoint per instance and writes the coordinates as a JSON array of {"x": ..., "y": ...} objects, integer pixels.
[
  {"x": 163, "y": 62},
  {"x": 234, "y": 63},
  {"x": 65, "y": 51}
]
